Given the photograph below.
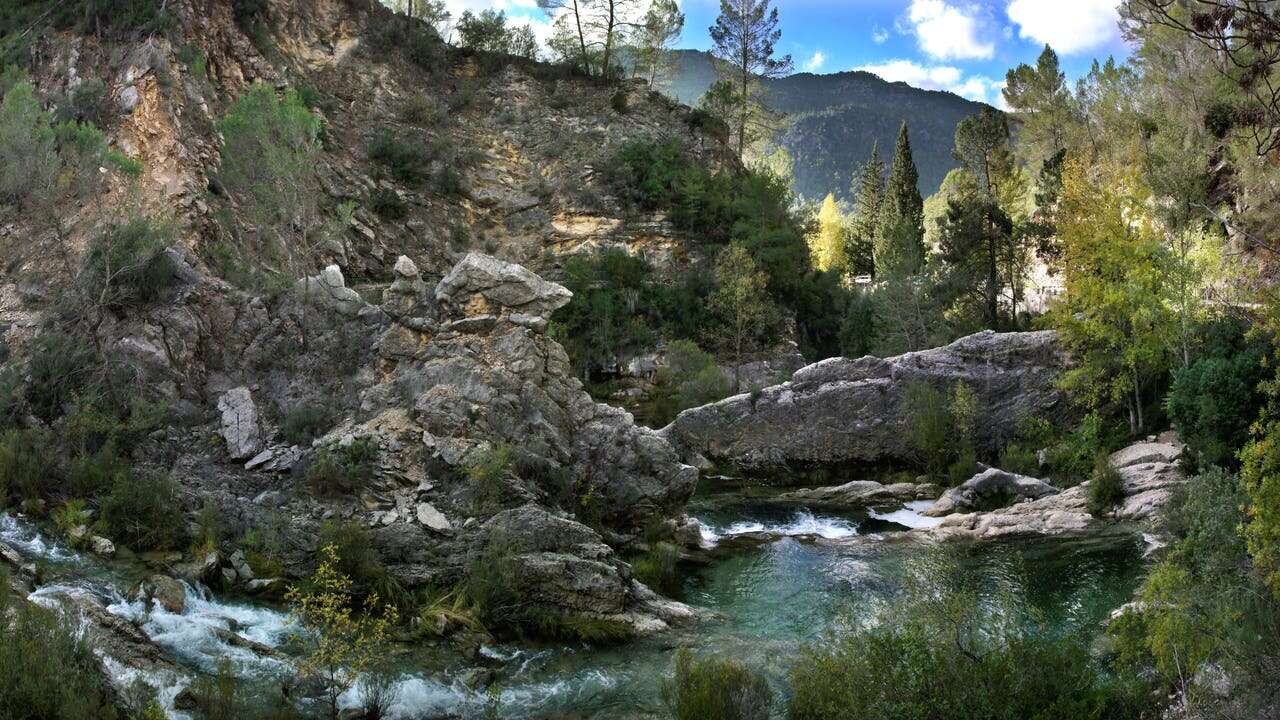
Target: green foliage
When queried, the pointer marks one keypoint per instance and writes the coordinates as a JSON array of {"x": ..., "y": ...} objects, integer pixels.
[
  {"x": 59, "y": 367},
  {"x": 1072, "y": 459},
  {"x": 127, "y": 264},
  {"x": 357, "y": 559},
  {"x": 270, "y": 144},
  {"x": 860, "y": 328},
  {"x": 338, "y": 470},
  {"x": 715, "y": 689},
  {"x": 690, "y": 378},
  {"x": 28, "y": 159},
  {"x": 70, "y": 515},
  {"x": 25, "y": 472},
  {"x": 487, "y": 476},
  {"x": 1260, "y": 473},
  {"x": 1019, "y": 459},
  {"x": 1202, "y": 605},
  {"x": 22, "y": 22},
  {"x": 1106, "y": 487},
  {"x": 750, "y": 209},
  {"x": 899, "y": 248},
  {"x": 941, "y": 654},
  {"x": 407, "y": 159},
  {"x": 1212, "y": 402},
  {"x": 143, "y": 511},
  {"x": 305, "y": 422},
  {"x": 48, "y": 670},
  {"x": 941, "y": 429},
  {"x": 659, "y": 568},
  {"x": 418, "y": 42},
  {"x": 218, "y": 696},
  {"x": 387, "y": 204}
]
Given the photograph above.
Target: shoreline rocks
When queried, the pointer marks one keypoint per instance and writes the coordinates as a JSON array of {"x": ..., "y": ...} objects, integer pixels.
[{"x": 860, "y": 494}]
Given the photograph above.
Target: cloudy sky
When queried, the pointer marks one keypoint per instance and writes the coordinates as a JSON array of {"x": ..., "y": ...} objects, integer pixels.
[{"x": 964, "y": 46}]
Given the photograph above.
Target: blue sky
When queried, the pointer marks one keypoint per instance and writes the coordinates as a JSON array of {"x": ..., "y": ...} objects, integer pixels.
[{"x": 964, "y": 46}]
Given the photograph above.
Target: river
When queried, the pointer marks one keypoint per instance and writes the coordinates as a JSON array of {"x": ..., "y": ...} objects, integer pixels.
[{"x": 801, "y": 574}]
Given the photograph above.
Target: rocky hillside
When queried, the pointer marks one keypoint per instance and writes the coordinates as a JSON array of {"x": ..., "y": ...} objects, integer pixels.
[
  {"x": 835, "y": 120},
  {"x": 409, "y": 394}
]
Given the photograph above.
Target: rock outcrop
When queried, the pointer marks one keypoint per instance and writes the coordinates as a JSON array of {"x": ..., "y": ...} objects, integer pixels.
[
  {"x": 989, "y": 489},
  {"x": 860, "y": 494},
  {"x": 469, "y": 378},
  {"x": 1150, "y": 473},
  {"x": 844, "y": 411}
]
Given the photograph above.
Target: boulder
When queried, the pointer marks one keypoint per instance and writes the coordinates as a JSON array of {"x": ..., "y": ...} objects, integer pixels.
[
  {"x": 329, "y": 289},
  {"x": 845, "y": 411},
  {"x": 166, "y": 592},
  {"x": 990, "y": 489},
  {"x": 433, "y": 518},
  {"x": 240, "y": 423},
  {"x": 502, "y": 284},
  {"x": 102, "y": 546},
  {"x": 1146, "y": 452},
  {"x": 860, "y": 494}
]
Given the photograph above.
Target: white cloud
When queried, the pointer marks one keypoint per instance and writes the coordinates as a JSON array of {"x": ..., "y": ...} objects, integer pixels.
[
  {"x": 879, "y": 35},
  {"x": 947, "y": 32},
  {"x": 1069, "y": 27},
  {"x": 938, "y": 77},
  {"x": 815, "y": 62}
]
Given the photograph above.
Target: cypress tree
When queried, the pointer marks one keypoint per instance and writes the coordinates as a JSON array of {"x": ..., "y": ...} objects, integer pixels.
[
  {"x": 868, "y": 191},
  {"x": 899, "y": 241}
]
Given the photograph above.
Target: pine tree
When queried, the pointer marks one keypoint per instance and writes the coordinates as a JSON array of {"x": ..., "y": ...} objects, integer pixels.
[
  {"x": 868, "y": 192},
  {"x": 899, "y": 241},
  {"x": 743, "y": 40}
]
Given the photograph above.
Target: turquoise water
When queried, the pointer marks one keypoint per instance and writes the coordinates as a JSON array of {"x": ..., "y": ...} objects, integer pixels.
[
  {"x": 771, "y": 599},
  {"x": 802, "y": 574}
]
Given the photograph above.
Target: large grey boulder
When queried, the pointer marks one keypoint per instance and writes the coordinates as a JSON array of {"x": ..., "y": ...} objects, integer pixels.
[
  {"x": 990, "y": 489},
  {"x": 844, "y": 411},
  {"x": 240, "y": 427},
  {"x": 482, "y": 279},
  {"x": 329, "y": 289}
]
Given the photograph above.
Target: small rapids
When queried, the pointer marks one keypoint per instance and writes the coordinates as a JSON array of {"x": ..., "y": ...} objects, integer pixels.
[{"x": 802, "y": 523}]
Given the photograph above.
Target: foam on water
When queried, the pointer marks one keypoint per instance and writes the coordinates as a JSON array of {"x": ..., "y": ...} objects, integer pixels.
[
  {"x": 909, "y": 515},
  {"x": 198, "y": 633},
  {"x": 28, "y": 541},
  {"x": 802, "y": 523},
  {"x": 165, "y": 685}
]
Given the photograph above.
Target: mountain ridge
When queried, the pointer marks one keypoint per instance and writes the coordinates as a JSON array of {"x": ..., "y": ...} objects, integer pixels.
[{"x": 835, "y": 118}]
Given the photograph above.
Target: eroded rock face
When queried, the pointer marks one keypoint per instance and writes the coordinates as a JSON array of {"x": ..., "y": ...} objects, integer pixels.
[{"x": 847, "y": 411}]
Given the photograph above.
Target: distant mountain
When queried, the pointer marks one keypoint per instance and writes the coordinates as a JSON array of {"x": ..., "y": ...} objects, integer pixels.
[{"x": 836, "y": 118}]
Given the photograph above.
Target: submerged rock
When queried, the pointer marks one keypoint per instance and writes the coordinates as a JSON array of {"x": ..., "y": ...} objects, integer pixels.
[{"x": 847, "y": 411}]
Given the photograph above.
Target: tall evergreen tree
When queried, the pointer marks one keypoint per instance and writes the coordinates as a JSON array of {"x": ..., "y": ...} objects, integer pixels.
[
  {"x": 868, "y": 191},
  {"x": 899, "y": 241},
  {"x": 1041, "y": 101},
  {"x": 743, "y": 40}
]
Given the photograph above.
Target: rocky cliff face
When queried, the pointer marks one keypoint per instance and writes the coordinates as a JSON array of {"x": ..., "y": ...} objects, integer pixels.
[
  {"x": 417, "y": 350},
  {"x": 853, "y": 412}
]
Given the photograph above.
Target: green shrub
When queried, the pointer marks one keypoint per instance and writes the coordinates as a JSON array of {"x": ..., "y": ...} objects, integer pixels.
[
  {"x": 59, "y": 367},
  {"x": 387, "y": 204},
  {"x": 691, "y": 378},
  {"x": 1212, "y": 403},
  {"x": 360, "y": 561},
  {"x": 487, "y": 476},
  {"x": 619, "y": 102},
  {"x": 143, "y": 511},
  {"x": 25, "y": 468},
  {"x": 92, "y": 475},
  {"x": 408, "y": 160},
  {"x": 963, "y": 467},
  {"x": 659, "y": 568},
  {"x": 930, "y": 427},
  {"x": 1072, "y": 459},
  {"x": 418, "y": 109},
  {"x": 1106, "y": 487},
  {"x": 47, "y": 667},
  {"x": 93, "y": 424},
  {"x": 130, "y": 259},
  {"x": 305, "y": 422},
  {"x": 715, "y": 689},
  {"x": 343, "y": 469},
  {"x": 1018, "y": 459},
  {"x": 70, "y": 515}
]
